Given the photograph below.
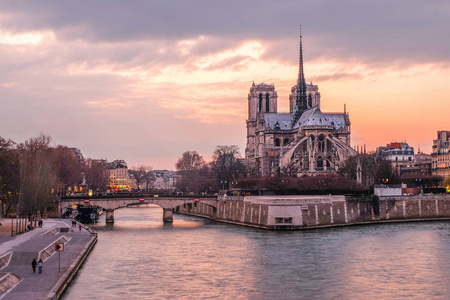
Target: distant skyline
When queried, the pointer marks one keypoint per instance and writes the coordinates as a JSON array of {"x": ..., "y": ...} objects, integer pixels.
[{"x": 145, "y": 81}]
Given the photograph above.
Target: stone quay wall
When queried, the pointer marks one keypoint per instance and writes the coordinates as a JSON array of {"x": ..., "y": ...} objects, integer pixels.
[{"x": 303, "y": 212}]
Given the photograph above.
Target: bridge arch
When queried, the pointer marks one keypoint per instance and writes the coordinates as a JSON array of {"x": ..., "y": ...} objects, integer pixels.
[{"x": 166, "y": 202}]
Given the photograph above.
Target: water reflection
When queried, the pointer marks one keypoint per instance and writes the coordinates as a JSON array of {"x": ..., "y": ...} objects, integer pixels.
[{"x": 141, "y": 258}]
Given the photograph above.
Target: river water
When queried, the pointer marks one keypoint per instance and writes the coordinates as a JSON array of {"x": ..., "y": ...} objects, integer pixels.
[{"x": 141, "y": 258}]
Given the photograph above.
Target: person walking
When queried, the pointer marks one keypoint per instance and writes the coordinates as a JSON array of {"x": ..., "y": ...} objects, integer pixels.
[
  {"x": 40, "y": 264},
  {"x": 33, "y": 265},
  {"x": 79, "y": 226}
]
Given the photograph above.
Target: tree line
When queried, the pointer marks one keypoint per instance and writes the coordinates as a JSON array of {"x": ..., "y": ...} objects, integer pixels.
[
  {"x": 226, "y": 171},
  {"x": 221, "y": 172},
  {"x": 32, "y": 173}
]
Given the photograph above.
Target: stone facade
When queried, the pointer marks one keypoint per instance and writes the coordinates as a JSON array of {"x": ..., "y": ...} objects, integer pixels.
[
  {"x": 440, "y": 158},
  {"x": 399, "y": 154},
  {"x": 304, "y": 141}
]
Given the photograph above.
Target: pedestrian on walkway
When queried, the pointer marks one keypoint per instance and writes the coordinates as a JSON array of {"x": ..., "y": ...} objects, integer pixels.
[
  {"x": 79, "y": 226},
  {"x": 40, "y": 264},
  {"x": 33, "y": 265}
]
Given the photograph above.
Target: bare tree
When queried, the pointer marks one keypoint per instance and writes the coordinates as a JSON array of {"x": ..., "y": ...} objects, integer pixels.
[
  {"x": 95, "y": 175},
  {"x": 142, "y": 174},
  {"x": 189, "y": 165},
  {"x": 37, "y": 176},
  {"x": 225, "y": 164},
  {"x": 9, "y": 175},
  {"x": 148, "y": 176},
  {"x": 68, "y": 167},
  {"x": 368, "y": 166}
]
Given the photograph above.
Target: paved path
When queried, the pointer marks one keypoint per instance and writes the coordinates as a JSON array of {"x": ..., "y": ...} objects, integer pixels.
[{"x": 26, "y": 246}]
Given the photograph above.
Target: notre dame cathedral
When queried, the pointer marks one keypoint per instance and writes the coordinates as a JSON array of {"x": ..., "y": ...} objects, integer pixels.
[{"x": 304, "y": 141}]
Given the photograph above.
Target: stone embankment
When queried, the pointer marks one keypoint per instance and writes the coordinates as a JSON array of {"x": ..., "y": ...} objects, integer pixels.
[
  {"x": 17, "y": 280},
  {"x": 304, "y": 212}
]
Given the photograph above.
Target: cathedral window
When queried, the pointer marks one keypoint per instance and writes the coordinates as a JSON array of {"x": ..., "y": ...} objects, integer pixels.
[
  {"x": 319, "y": 163},
  {"x": 285, "y": 141},
  {"x": 277, "y": 142},
  {"x": 321, "y": 143},
  {"x": 309, "y": 101},
  {"x": 260, "y": 102},
  {"x": 267, "y": 103}
]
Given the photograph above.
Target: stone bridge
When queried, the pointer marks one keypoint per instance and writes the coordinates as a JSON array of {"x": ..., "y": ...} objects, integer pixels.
[{"x": 111, "y": 203}]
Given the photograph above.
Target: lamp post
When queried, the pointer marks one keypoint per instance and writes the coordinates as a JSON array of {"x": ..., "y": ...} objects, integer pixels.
[{"x": 223, "y": 182}]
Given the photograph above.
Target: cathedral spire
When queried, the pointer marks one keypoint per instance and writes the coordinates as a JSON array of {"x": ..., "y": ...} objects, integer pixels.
[
  {"x": 301, "y": 76},
  {"x": 301, "y": 103}
]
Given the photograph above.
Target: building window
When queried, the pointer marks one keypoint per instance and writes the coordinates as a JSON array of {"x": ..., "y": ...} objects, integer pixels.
[
  {"x": 285, "y": 141},
  {"x": 267, "y": 102},
  {"x": 319, "y": 163},
  {"x": 277, "y": 142},
  {"x": 309, "y": 101},
  {"x": 321, "y": 143}
]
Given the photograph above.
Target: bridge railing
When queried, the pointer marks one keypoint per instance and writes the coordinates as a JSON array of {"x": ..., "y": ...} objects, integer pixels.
[{"x": 130, "y": 195}]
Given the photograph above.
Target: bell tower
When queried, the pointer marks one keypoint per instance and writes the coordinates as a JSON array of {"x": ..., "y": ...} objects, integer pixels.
[{"x": 262, "y": 98}]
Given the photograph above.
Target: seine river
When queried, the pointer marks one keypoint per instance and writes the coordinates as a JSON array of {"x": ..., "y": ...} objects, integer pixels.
[{"x": 140, "y": 258}]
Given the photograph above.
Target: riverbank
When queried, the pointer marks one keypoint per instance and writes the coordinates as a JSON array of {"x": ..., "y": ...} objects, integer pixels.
[
  {"x": 310, "y": 212},
  {"x": 17, "y": 280}
]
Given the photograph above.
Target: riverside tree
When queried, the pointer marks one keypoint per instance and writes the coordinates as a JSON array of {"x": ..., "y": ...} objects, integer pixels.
[
  {"x": 95, "y": 175},
  {"x": 190, "y": 165},
  {"x": 225, "y": 164},
  {"x": 149, "y": 176},
  {"x": 142, "y": 174},
  {"x": 9, "y": 175},
  {"x": 69, "y": 168},
  {"x": 37, "y": 176},
  {"x": 368, "y": 168}
]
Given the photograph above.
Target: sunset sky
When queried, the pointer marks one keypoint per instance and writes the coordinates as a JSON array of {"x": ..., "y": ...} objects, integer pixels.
[{"x": 145, "y": 81}]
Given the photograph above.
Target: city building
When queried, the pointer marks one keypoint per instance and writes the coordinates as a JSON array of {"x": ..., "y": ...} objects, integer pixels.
[
  {"x": 400, "y": 154},
  {"x": 117, "y": 172},
  {"x": 440, "y": 158},
  {"x": 303, "y": 141},
  {"x": 421, "y": 166},
  {"x": 165, "y": 179}
]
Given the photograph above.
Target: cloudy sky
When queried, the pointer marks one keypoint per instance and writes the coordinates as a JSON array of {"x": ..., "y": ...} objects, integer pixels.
[{"x": 145, "y": 81}]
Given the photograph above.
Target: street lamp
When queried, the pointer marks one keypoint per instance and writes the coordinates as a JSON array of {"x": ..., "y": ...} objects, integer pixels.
[{"x": 223, "y": 182}]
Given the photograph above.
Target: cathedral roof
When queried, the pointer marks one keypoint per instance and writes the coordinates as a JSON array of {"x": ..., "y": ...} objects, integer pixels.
[
  {"x": 336, "y": 119},
  {"x": 315, "y": 117},
  {"x": 282, "y": 119}
]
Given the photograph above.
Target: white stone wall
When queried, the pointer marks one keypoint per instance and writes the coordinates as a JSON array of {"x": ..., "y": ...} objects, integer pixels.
[{"x": 284, "y": 215}]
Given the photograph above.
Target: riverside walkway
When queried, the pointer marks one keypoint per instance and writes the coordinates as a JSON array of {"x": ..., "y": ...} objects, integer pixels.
[{"x": 17, "y": 280}]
